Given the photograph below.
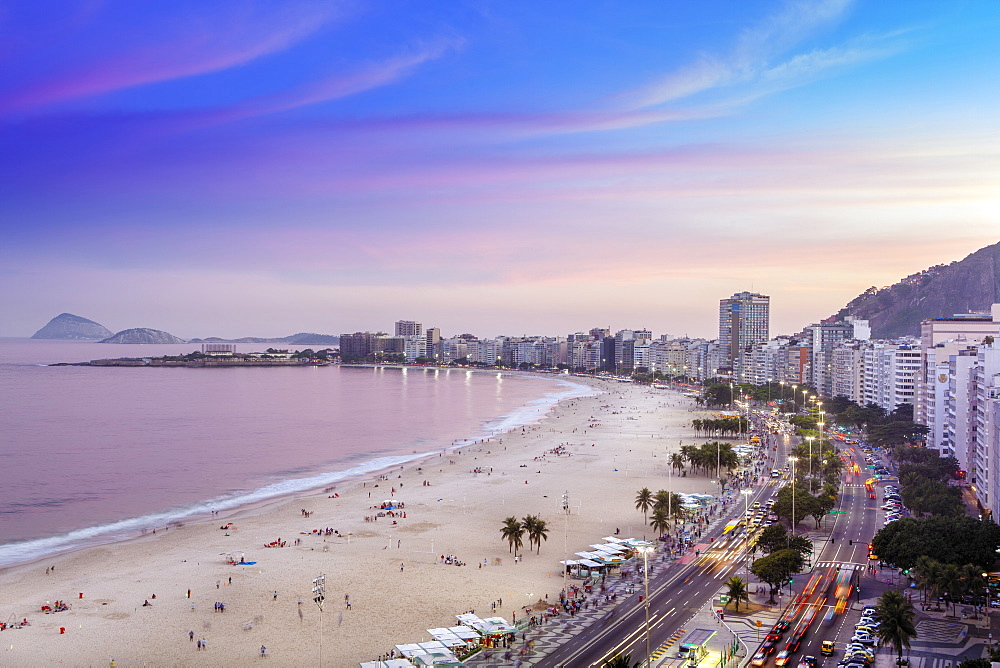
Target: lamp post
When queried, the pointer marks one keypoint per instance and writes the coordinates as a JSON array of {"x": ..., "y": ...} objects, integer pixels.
[
  {"x": 782, "y": 383},
  {"x": 319, "y": 594},
  {"x": 795, "y": 389},
  {"x": 810, "y": 439},
  {"x": 792, "y": 460},
  {"x": 746, "y": 524},
  {"x": 646, "y": 549},
  {"x": 565, "y": 509}
]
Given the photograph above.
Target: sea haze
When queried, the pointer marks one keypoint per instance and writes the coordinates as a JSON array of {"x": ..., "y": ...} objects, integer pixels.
[{"x": 92, "y": 454}]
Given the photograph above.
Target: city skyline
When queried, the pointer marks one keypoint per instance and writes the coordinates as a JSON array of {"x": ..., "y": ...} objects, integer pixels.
[{"x": 242, "y": 170}]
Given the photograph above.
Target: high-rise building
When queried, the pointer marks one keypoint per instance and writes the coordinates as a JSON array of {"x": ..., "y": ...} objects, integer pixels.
[
  {"x": 408, "y": 328},
  {"x": 433, "y": 337},
  {"x": 744, "y": 319}
]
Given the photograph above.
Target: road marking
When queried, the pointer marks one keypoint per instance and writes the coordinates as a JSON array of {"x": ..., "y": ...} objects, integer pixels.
[{"x": 658, "y": 653}]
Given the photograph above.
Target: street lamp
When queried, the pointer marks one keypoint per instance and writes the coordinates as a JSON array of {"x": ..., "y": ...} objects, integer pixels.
[
  {"x": 810, "y": 439},
  {"x": 746, "y": 524},
  {"x": 793, "y": 460},
  {"x": 645, "y": 550},
  {"x": 795, "y": 398}
]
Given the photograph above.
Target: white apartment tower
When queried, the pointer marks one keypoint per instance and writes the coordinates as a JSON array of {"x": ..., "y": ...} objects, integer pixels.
[{"x": 408, "y": 328}]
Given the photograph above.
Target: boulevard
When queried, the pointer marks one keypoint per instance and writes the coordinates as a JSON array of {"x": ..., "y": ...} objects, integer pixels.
[{"x": 679, "y": 594}]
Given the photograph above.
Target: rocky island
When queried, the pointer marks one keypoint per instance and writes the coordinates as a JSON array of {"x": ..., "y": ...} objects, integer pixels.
[{"x": 67, "y": 326}]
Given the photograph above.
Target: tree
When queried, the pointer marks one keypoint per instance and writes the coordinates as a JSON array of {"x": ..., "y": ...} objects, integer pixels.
[
  {"x": 737, "y": 590},
  {"x": 513, "y": 532},
  {"x": 643, "y": 502},
  {"x": 669, "y": 502},
  {"x": 777, "y": 568},
  {"x": 895, "y": 624},
  {"x": 660, "y": 521},
  {"x": 621, "y": 661},
  {"x": 948, "y": 540},
  {"x": 677, "y": 461},
  {"x": 537, "y": 531},
  {"x": 804, "y": 503},
  {"x": 822, "y": 504}
]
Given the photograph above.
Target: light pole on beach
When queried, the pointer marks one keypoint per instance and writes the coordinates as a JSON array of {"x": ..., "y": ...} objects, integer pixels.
[
  {"x": 319, "y": 594},
  {"x": 645, "y": 550},
  {"x": 565, "y": 509}
]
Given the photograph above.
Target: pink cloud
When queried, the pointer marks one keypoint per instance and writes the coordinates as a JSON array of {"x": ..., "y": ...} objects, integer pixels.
[{"x": 191, "y": 50}]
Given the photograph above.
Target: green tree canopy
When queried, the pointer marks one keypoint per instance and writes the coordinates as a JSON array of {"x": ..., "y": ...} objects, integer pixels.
[
  {"x": 776, "y": 568},
  {"x": 948, "y": 540}
]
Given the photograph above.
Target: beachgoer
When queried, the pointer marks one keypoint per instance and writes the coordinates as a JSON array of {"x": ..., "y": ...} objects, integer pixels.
[
  {"x": 191, "y": 635},
  {"x": 275, "y": 596}
]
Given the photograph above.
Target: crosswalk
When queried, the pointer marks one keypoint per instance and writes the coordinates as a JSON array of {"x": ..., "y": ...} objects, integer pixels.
[
  {"x": 842, "y": 565},
  {"x": 662, "y": 650}
]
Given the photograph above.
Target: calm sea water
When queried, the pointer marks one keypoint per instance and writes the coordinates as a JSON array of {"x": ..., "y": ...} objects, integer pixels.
[{"x": 93, "y": 454}]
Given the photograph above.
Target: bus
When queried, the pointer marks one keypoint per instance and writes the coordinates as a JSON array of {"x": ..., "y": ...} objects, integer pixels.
[{"x": 732, "y": 526}]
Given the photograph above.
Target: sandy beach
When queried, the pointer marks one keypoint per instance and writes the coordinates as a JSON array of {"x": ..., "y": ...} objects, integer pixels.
[{"x": 613, "y": 444}]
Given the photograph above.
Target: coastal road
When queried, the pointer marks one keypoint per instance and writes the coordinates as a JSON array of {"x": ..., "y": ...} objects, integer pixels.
[
  {"x": 679, "y": 594},
  {"x": 674, "y": 598}
]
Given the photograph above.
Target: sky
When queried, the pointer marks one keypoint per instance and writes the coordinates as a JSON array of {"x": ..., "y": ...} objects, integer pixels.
[{"x": 241, "y": 168}]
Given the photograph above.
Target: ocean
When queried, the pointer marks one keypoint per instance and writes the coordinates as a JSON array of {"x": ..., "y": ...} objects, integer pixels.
[{"x": 90, "y": 455}]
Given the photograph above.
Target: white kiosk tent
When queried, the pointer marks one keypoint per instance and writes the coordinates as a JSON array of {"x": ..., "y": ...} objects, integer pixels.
[
  {"x": 432, "y": 653},
  {"x": 456, "y": 636},
  {"x": 390, "y": 663}
]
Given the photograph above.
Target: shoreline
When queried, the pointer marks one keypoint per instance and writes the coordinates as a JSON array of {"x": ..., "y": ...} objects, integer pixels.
[
  {"x": 209, "y": 510},
  {"x": 392, "y": 573}
]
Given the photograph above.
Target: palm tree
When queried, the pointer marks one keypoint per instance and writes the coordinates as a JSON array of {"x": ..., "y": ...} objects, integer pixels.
[
  {"x": 528, "y": 523},
  {"x": 643, "y": 502},
  {"x": 895, "y": 625},
  {"x": 537, "y": 531},
  {"x": 677, "y": 461},
  {"x": 928, "y": 570},
  {"x": 660, "y": 521},
  {"x": 513, "y": 532},
  {"x": 973, "y": 582},
  {"x": 621, "y": 661},
  {"x": 738, "y": 591},
  {"x": 951, "y": 584}
]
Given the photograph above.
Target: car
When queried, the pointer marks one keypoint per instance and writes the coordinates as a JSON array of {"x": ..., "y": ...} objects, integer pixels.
[
  {"x": 854, "y": 650},
  {"x": 783, "y": 657},
  {"x": 826, "y": 648},
  {"x": 768, "y": 646},
  {"x": 759, "y": 659},
  {"x": 865, "y": 628},
  {"x": 857, "y": 658},
  {"x": 858, "y": 647},
  {"x": 866, "y": 619},
  {"x": 808, "y": 661},
  {"x": 782, "y": 625},
  {"x": 870, "y": 612},
  {"x": 866, "y": 638},
  {"x": 773, "y": 636}
]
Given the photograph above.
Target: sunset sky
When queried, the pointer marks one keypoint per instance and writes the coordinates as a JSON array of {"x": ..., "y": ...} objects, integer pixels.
[{"x": 496, "y": 167}]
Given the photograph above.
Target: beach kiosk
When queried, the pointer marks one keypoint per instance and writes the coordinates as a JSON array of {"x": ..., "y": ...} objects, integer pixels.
[
  {"x": 431, "y": 653},
  {"x": 391, "y": 663}
]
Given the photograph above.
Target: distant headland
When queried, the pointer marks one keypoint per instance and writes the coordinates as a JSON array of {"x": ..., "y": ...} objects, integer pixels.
[{"x": 70, "y": 327}]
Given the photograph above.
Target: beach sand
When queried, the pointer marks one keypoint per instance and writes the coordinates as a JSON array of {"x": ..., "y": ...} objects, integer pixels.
[{"x": 617, "y": 442}]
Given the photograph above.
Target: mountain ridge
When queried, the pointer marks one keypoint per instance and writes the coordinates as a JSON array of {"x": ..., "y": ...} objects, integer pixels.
[{"x": 969, "y": 285}]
